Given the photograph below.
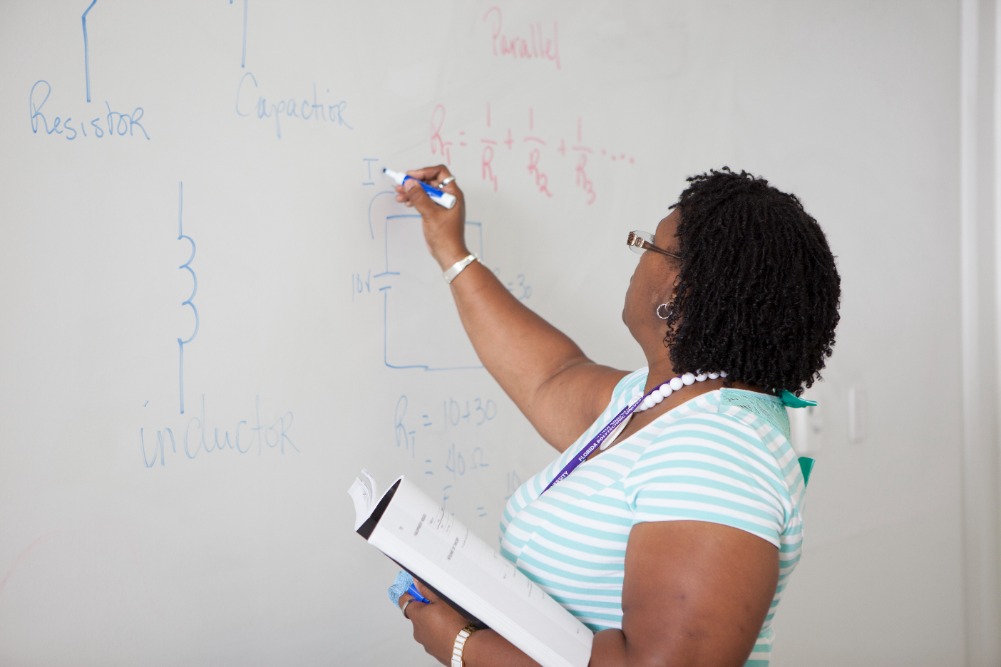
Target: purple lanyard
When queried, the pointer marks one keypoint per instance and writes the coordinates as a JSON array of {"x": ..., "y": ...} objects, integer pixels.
[{"x": 596, "y": 441}]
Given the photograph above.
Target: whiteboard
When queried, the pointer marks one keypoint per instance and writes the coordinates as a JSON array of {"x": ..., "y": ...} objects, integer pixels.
[{"x": 215, "y": 313}]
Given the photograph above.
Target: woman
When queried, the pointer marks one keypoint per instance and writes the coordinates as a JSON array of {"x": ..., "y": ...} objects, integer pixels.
[{"x": 675, "y": 536}]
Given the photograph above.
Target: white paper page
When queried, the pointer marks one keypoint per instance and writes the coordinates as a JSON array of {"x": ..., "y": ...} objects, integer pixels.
[
  {"x": 420, "y": 535},
  {"x": 363, "y": 495}
]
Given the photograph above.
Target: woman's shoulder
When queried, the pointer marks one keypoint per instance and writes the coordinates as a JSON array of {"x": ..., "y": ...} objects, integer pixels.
[
  {"x": 629, "y": 385},
  {"x": 717, "y": 459},
  {"x": 713, "y": 427},
  {"x": 743, "y": 414}
]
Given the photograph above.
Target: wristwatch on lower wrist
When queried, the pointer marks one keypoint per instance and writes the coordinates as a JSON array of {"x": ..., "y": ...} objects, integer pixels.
[{"x": 460, "y": 643}]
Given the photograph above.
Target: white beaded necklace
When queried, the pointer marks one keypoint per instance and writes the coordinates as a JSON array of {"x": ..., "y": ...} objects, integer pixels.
[
  {"x": 676, "y": 384},
  {"x": 658, "y": 395}
]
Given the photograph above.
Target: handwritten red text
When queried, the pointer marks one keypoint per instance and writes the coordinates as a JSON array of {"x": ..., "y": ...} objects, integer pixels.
[{"x": 539, "y": 44}]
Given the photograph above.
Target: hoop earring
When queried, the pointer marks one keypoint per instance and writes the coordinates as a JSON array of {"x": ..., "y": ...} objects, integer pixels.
[{"x": 665, "y": 310}]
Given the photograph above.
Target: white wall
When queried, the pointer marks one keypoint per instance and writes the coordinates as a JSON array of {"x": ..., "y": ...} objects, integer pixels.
[{"x": 980, "y": 253}]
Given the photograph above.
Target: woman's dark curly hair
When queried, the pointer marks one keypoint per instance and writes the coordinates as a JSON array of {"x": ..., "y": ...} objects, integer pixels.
[{"x": 758, "y": 291}]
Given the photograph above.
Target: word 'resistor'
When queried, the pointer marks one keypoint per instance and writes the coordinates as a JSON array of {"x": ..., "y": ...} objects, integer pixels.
[{"x": 111, "y": 123}]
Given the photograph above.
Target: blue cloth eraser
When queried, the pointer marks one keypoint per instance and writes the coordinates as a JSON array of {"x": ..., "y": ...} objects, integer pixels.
[{"x": 400, "y": 586}]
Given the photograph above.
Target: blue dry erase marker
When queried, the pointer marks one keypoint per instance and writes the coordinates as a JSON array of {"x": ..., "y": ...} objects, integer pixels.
[
  {"x": 417, "y": 594},
  {"x": 437, "y": 196}
]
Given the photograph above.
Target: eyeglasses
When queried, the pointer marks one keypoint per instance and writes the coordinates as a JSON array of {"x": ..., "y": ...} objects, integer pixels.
[{"x": 638, "y": 242}]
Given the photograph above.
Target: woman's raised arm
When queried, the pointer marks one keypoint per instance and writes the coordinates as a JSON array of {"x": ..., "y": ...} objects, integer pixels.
[{"x": 544, "y": 372}]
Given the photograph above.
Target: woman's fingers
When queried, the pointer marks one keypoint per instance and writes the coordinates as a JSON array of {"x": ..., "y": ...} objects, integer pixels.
[
  {"x": 431, "y": 175},
  {"x": 444, "y": 228}
]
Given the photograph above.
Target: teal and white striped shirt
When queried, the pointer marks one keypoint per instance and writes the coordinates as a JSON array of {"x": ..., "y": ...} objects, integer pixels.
[{"x": 722, "y": 457}]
